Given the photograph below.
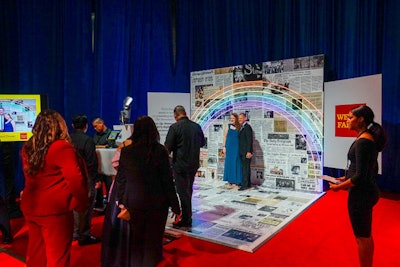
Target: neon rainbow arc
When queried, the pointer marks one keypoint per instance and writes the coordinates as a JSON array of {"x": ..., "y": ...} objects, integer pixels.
[{"x": 298, "y": 109}]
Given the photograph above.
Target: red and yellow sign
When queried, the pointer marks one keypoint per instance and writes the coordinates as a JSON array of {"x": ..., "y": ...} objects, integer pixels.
[{"x": 341, "y": 114}]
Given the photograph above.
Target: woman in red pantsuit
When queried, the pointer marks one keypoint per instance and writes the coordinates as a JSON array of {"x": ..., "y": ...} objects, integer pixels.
[{"x": 54, "y": 187}]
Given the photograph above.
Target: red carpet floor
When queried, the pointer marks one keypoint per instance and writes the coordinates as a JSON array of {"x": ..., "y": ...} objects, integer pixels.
[{"x": 321, "y": 236}]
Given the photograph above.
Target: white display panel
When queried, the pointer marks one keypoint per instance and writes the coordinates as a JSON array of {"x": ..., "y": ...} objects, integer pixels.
[
  {"x": 161, "y": 109},
  {"x": 366, "y": 90}
]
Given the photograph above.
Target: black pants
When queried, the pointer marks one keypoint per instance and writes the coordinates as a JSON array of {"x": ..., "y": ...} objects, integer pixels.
[
  {"x": 246, "y": 172},
  {"x": 107, "y": 181},
  {"x": 147, "y": 231},
  {"x": 4, "y": 219},
  {"x": 83, "y": 220},
  {"x": 7, "y": 150},
  {"x": 184, "y": 187}
]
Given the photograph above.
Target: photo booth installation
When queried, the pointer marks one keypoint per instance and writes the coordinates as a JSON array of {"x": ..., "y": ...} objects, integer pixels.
[{"x": 283, "y": 101}]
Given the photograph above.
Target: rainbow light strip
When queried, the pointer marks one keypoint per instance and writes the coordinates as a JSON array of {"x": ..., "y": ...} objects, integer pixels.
[{"x": 304, "y": 115}]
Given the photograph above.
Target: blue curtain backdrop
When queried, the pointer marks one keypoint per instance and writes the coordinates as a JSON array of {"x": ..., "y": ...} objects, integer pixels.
[
  {"x": 46, "y": 48},
  {"x": 145, "y": 46},
  {"x": 133, "y": 54}
]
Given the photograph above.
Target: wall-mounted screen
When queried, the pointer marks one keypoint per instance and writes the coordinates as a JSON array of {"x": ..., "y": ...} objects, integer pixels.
[{"x": 18, "y": 115}]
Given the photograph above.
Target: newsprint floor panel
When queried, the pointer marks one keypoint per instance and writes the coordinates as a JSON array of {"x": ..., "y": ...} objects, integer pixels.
[{"x": 241, "y": 219}]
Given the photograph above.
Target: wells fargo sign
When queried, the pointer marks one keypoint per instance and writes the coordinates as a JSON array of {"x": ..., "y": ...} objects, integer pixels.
[{"x": 341, "y": 114}]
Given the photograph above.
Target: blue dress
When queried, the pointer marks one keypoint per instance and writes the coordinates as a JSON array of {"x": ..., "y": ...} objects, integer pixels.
[
  {"x": 8, "y": 127},
  {"x": 233, "y": 164}
]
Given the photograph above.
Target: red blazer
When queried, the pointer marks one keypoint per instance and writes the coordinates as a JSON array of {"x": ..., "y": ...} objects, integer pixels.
[{"x": 59, "y": 188}]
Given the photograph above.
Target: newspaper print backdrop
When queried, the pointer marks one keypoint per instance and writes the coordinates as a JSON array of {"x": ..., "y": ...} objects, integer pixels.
[
  {"x": 283, "y": 102},
  {"x": 243, "y": 220}
]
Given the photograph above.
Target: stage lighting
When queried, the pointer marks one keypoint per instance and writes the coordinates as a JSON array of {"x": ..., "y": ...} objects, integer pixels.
[{"x": 125, "y": 114}]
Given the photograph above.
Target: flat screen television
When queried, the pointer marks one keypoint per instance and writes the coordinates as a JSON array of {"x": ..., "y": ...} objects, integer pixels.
[{"x": 18, "y": 114}]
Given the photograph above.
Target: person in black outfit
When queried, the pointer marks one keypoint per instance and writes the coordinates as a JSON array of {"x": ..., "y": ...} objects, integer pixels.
[
  {"x": 7, "y": 152},
  {"x": 102, "y": 132},
  {"x": 115, "y": 249},
  {"x": 145, "y": 191},
  {"x": 245, "y": 150},
  {"x": 5, "y": 223},
  {"x": 184, "y": 139},
  {"x": 360, "y": 178},
  {"x": 87, "y": 149},
  {"x": 100, "y": 139}
]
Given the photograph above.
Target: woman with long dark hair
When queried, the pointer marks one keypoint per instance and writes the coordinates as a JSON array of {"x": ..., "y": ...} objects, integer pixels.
[
  {"x": 55, "y": 185},
  {"x": 360, "y": 178},
  {"x": 144, "y": 190}
]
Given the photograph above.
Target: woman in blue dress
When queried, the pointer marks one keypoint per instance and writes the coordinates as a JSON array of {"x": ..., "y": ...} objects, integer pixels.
[
  {"x": 9, "y": 124},
  {"x": 233, "y": 165}
]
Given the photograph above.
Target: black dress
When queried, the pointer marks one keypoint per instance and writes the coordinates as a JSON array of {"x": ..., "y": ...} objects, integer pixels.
[
  {"x": 365, "y": 193},
  {"x": 147, "y": 190},
  {"x": 115, "y": 237}
]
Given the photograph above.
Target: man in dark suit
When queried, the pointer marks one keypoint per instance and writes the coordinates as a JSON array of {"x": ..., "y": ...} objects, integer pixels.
[
  {"x": 87, "y": 149},
  {"x": 184, "y": 139},
  {"x": 245, "y": 150}
]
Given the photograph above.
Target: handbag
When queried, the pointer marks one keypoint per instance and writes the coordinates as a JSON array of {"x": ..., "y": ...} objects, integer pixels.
[{"x": 124, "y": 215}]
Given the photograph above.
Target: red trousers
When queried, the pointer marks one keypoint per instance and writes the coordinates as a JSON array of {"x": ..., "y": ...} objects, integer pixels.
[{"x": 50, "y": 240}]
